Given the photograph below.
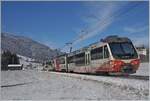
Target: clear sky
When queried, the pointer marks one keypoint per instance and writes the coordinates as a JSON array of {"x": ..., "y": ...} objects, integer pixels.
[{"x": 56, "y": 23}]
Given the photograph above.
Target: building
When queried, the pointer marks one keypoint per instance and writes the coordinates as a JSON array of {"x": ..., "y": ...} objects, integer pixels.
[
  {"x": 144, "y": 53},
  {"x": 15, "y": 67}
]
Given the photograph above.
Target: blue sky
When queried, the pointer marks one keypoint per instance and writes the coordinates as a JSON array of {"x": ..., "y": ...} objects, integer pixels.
[{"x": 56, "y": 23}]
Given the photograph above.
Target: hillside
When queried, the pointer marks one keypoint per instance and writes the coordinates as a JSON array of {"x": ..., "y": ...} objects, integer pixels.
[{"x": 26, "y": 47}]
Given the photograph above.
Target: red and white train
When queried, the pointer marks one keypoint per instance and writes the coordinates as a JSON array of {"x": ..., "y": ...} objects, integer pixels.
[{"x": 114, "y": 55}]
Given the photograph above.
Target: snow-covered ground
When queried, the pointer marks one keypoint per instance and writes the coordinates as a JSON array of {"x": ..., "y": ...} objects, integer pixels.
[
  {"x": 143, "y": 69},
  {"x": 39, "y": 85},
  {"x": 28, "y": 63}
]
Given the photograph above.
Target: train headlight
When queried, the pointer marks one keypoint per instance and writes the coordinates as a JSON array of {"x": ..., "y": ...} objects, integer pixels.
[
  {"x": 135, "y": 62},
  {"x": 116, "y": 63}
]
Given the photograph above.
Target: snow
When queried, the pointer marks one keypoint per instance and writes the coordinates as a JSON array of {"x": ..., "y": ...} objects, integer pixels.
[
  {"x": 25, "y": 58},
  {"x": 143, "y": 69},
  {"x": 118, "y": 81},
  {"x": 140, "y": 85},
  {"x": 41, "y": 85},
  {"x": 28, "y": 63}
]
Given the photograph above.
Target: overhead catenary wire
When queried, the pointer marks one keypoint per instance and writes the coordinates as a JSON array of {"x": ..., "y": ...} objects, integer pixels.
[{"x": 103, "y": 22}]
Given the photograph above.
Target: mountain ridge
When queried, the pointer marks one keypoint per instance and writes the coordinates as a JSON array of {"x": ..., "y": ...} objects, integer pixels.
[{"x": 27, "y": 47}]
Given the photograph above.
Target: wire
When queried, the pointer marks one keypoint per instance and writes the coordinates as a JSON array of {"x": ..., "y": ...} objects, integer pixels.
[{"x": 104, "y": 21}]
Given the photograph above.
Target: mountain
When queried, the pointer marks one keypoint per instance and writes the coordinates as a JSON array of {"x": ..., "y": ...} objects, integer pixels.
[{"x": 26, "y": 47}]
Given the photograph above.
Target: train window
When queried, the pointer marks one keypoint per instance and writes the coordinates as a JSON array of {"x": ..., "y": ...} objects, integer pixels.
[
  {"x": 49, "y": 63},
  {"x": 70, "y": 59},
  {"x": 106, "y": 52},
  {"x": 97, "y": 53},
  {"x": 123, "y": 50},
  {"x": 80, "y": 59},
  {"x": 62, "y": 61}
]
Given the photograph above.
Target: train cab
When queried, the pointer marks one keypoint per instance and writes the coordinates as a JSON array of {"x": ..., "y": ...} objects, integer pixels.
[{"x": 124, "y": 58}]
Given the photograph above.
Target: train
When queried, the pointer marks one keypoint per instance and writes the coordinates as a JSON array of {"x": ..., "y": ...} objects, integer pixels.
[{"x": 111, "y": 55}]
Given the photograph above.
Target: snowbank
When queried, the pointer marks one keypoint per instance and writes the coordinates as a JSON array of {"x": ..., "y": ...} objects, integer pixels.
[{"x": 143, "y": 70}]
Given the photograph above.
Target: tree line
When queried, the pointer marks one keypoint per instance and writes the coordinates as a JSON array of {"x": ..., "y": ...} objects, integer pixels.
[{"x": 8, "y": 58}]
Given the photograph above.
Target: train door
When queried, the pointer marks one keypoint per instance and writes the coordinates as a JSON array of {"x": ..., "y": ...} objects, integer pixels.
[
  {"x": 87, "y": 60},
  {"x": 106, "y": 56},
  {"x": 57, "y": 65}
]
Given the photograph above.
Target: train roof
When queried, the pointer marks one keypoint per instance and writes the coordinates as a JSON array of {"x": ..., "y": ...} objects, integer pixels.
[
  {"x": 96, "y": 44},
  {"x": 76, "y": 52},
  {"x": 109, "y": 39},
  {"x": 115, "y": 38}
]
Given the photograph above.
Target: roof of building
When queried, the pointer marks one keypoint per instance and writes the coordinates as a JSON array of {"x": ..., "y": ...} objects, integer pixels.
[{"x": 14, "y": 65}]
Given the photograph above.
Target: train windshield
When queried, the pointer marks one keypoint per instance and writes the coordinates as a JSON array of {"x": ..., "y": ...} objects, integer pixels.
[{"x": 123, "y": 50}]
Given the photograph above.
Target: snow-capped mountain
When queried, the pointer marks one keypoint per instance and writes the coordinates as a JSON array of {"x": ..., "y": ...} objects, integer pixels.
[{"x": 26, "y": 47}]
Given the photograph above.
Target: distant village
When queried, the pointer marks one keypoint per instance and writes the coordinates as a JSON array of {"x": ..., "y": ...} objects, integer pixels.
[{"x": 144, "y": 53}]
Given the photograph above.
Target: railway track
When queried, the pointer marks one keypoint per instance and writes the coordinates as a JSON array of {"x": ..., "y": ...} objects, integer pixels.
[{"x": 138, "y": 77}]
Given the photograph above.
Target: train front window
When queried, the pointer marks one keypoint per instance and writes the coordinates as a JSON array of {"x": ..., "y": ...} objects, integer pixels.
[{"x": 123, "y": 50}]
